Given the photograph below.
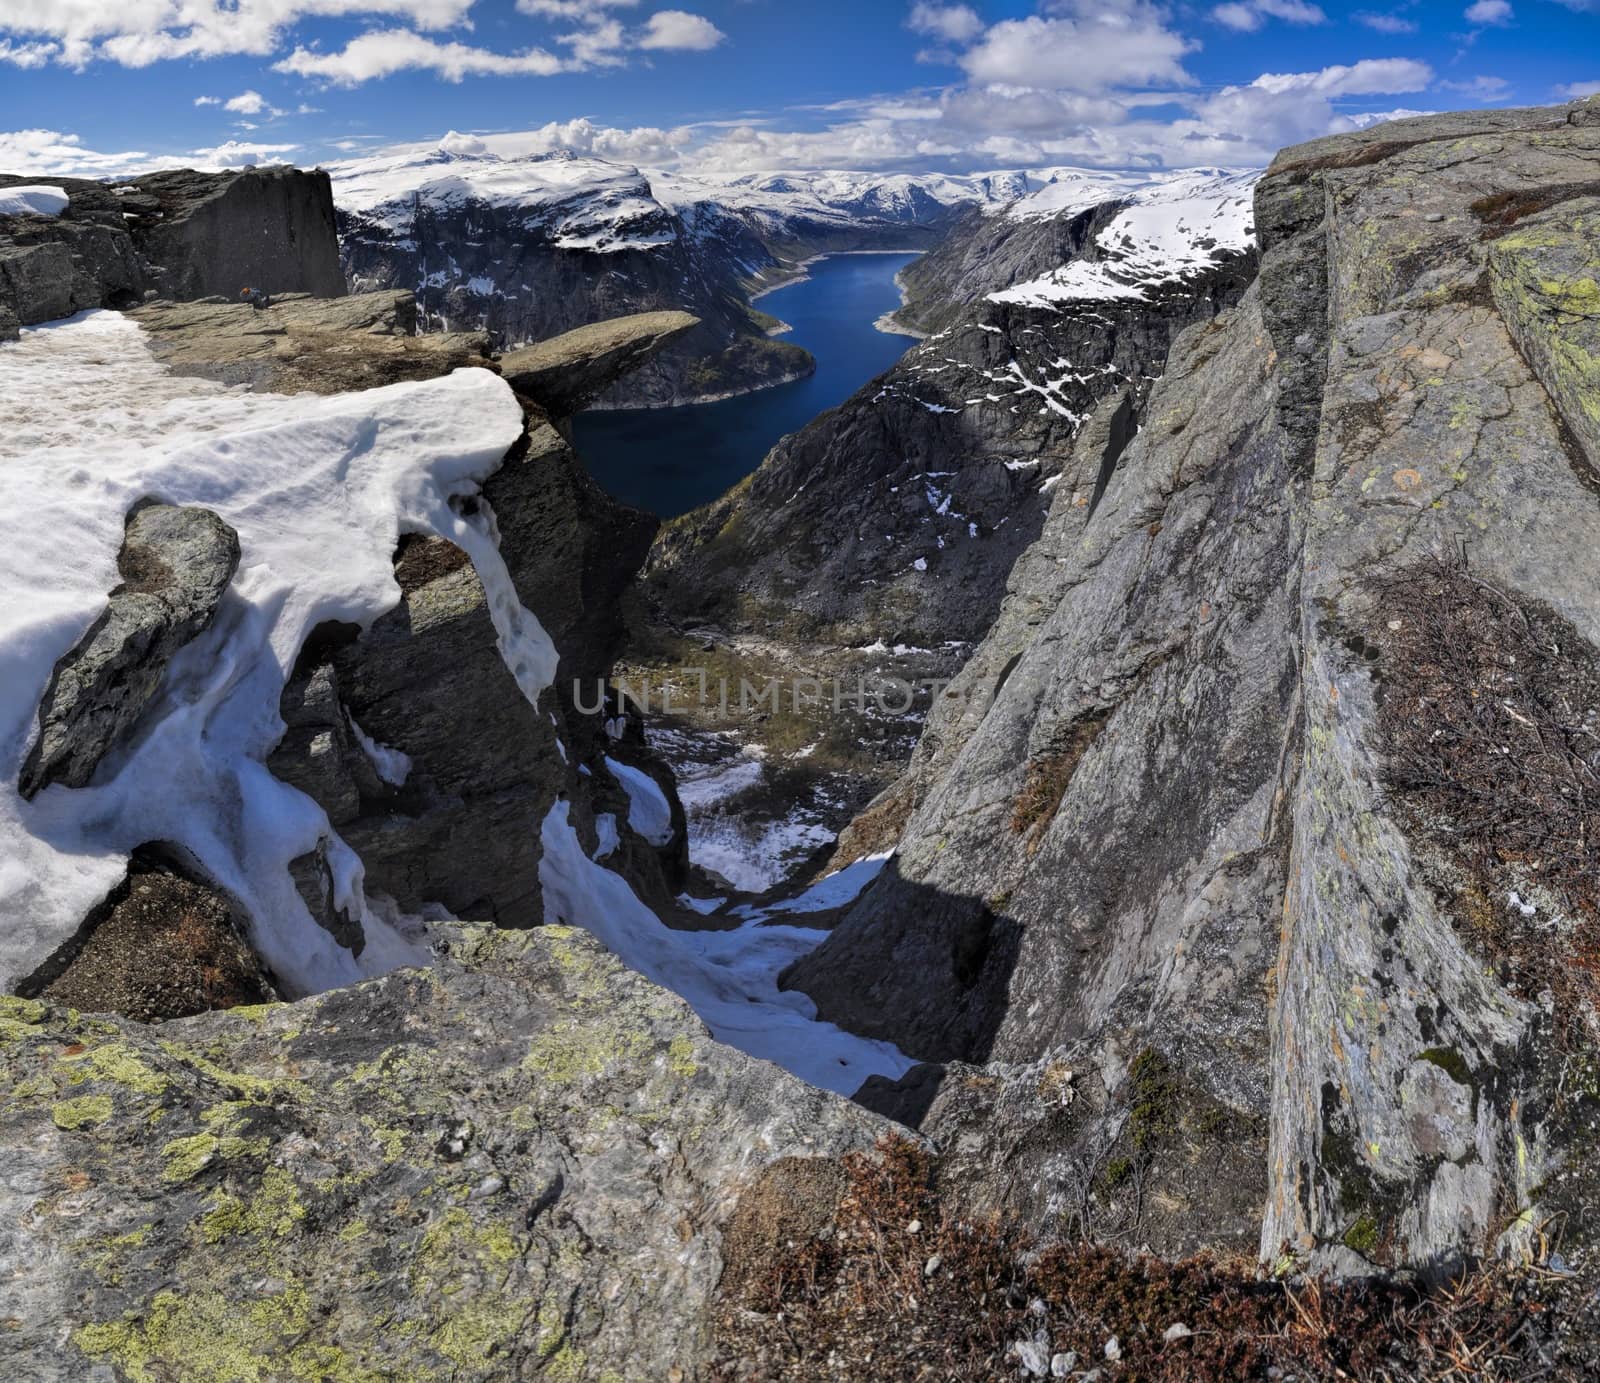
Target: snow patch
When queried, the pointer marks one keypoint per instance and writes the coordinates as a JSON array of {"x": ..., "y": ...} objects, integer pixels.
[
  {"x": 319, "y": 490},
  {"x": 32, "y": 200},
  {"x": 649, "y": 812}
]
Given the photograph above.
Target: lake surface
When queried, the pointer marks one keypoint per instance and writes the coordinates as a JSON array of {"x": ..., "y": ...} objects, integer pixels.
[{"x": 670, "y": 460}]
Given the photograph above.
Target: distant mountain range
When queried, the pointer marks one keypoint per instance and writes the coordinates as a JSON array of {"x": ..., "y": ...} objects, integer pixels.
[{"x": 529, "y": 245}]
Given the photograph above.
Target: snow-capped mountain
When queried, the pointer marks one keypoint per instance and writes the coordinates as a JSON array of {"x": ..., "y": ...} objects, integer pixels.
[
  {"x": 1085, "y": 235},
  {"x": 527, "y": 245}
]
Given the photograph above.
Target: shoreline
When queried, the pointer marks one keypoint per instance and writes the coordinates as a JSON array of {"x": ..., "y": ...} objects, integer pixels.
[
  {"x": 801, "y": 265},
  {"x": 790, "y": 378}
]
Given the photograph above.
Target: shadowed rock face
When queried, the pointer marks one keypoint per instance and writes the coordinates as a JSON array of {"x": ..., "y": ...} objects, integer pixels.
[
  {"x": 520, "y": 1161},
  {"x": 180, "y": 235},
  {"x": 175, "y": 564},
  {"x": 1153, "y": 825}
]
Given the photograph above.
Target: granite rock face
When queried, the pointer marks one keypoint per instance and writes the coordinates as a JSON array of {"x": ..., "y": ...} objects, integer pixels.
[
  {"x": 179, "y": 235},
  {"x": 520, "y": 1162},
  {"x": 176, "y": 564},
  {"x": 1153, "y": 828}
]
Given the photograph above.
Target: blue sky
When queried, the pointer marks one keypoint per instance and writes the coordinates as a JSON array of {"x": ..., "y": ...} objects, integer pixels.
[{"x": 734, "y": 85}]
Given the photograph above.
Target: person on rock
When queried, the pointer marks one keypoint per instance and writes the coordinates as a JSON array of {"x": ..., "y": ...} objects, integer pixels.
[{"x": 256, "y": 298}]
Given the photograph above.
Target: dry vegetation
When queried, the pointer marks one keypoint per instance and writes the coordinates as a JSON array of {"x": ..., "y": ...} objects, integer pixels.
[
  {"x": 1048, "y": 776},
  {"x": 1490, "y": 715},
  {"x": 893, "y": 1288}
]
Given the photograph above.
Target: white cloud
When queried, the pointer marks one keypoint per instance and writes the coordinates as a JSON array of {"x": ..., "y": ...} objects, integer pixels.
[
  {"x": 572, "y": 9},
  {"x": 598, "y": 46},
  {"x": 952, "y": 23},
  {"x": 677, "y": 29},
  {"x": 137, "y": 33},
  {"x": 27, "y": 55},
  {"x": 1489, "y": 12},
  {"x": 385, "y": 52},
  {"x": 53, "y": 153},
  {"x": 1480, "y": 88},
  {"x": 1103, "y": 48},
  {"x": 208, "y": 100},
  {"x": 1369, "y": 77},
  {"x": 235, "y": 154},
  {"x": 1250, "y": 15},
  {"x": 246, "y": 103},
  {"x": 1577, "y": 91},
  {"x": 1384, "y": 23}
]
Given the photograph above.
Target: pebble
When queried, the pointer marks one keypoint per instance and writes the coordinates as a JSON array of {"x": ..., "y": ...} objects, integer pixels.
[
  {"x": 1113, "y": 1349},
  {"x": 1434, "y": 216},
  {"x": 931, "y": 1266},
  {"x": 1177, "y": 1331},
  {"x": 489, "y": 1186},
  {"x": 915, "y": 1227},
  {"x": 1034, "y": 1358},
  {"x": 1063, "y": 1364}
]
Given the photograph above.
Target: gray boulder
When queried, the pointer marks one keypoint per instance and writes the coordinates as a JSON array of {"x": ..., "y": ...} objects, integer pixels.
[
  {"x": 175, "y": 564},
  {"x": 523, "y": 1161}
]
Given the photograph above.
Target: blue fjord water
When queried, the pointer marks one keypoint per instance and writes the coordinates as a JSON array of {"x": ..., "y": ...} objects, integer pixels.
[{"x": 669, "y": 460}]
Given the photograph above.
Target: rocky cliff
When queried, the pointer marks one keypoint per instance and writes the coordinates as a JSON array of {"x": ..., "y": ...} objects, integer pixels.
[
  {"x": 1248, "y": 810},
  {"x": 177, "y": 235}
]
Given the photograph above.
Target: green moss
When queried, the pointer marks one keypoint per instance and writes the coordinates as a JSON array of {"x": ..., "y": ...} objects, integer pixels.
[
  {"x": 1153, "y": 1093},
  {"x": 120, "y": 1064},
  {"x": 20, "y": 1018},
  {"x": 1362, "y": 1236},
  {"x": 86, "y": 1112},
  {"x": 186, "y": 1158},
  {"x": 206, "y": 1335},
  {"x": 275, "y": 1210}
]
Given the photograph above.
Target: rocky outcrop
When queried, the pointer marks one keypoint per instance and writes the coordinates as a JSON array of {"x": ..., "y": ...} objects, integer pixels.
[
  {"x": 179, "y": 235},
  {"x": 1184, "y": 790},
  {"x": 523, "y": 1161},
  {"x": 566, "y": 373},
  {"x": 211, "y": 234},
  {"x": 176, "y": 564},
  {"x": 302, "y": 344},
  {"x": 426, "y": 686}
]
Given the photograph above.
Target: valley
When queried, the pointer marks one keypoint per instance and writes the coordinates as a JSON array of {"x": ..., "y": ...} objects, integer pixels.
[{"x": 644, "y": 772}]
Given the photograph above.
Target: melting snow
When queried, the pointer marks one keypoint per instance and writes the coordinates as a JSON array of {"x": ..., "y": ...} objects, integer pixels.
[
  {"x": 649, "y": 813},
  {"x": 730, "y": 978},
  {"x": 319, "y": 490}
]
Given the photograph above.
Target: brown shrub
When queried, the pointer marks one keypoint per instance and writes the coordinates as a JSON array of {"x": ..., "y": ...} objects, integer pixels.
[
  {"x": 860, "y": 1302},
  {"x": 1489, "y": 716},
  {"x": 1047, "y": 777}
]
